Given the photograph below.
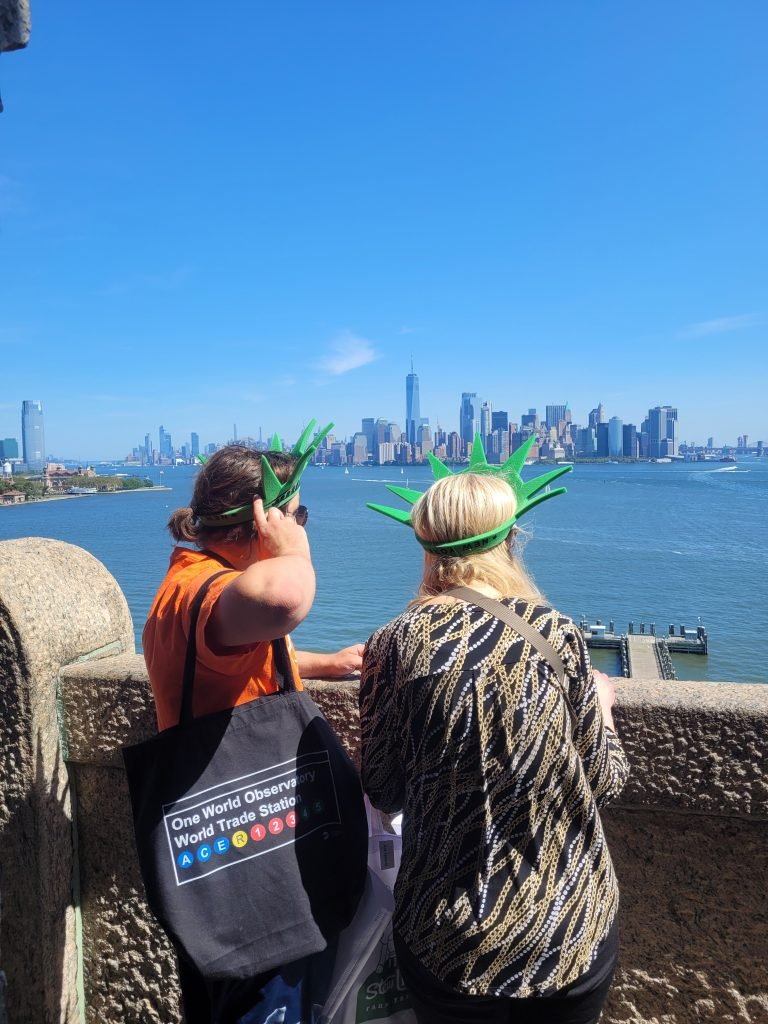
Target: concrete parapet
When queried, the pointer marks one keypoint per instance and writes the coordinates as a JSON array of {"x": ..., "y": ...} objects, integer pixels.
[
  {"x": 688, "y": 837},
  {"x": 58, "y": 605}
]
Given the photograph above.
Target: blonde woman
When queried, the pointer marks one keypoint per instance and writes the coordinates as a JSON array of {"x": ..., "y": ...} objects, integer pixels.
[{"x": 506, "y": 900}]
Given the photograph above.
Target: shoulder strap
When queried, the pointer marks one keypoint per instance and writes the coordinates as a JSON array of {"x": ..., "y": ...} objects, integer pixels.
[
  {"x": 525, "y": 629},
  {"x": 281, "y": 660},
  {"x": 188, "y": 681}
]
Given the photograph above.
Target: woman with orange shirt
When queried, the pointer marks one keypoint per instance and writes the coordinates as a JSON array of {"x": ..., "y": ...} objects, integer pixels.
[{"x": 244, "y": 516}]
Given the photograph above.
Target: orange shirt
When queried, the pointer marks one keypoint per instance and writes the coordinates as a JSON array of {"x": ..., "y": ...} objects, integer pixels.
[{"x": 224, "y": 676}]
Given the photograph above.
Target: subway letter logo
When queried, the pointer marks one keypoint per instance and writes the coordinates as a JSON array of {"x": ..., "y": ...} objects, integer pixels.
[{"x": 224, "y": 826}]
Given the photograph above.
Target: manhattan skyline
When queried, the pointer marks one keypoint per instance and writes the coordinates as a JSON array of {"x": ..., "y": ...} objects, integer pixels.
[{"x": 537, "y": 209}]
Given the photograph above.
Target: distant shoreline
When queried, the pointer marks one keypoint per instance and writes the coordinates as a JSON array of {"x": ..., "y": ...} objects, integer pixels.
[{"x": 64, "y": 497}]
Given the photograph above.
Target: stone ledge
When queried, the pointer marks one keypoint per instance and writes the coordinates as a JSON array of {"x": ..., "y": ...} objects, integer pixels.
[{"x": 694, "y": 746}]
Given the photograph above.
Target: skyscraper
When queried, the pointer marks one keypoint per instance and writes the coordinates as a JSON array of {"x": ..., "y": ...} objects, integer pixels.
[
  {"x": 32, "y": 434},
  {"x": 468, "y": 418},
  {"x": 615, "y": 437},
  {"x": 165, "y": 446},
  {"x": 412, "y": 408},
  {"x": 662, "y": 432},
  {"x": 195, "y": 448},
  {"x": 486, "y": 419},
  {"x": 555, "y": 413}
]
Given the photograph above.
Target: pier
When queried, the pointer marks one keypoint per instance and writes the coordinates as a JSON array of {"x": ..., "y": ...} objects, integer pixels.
[{"x": 645, "y": 655}]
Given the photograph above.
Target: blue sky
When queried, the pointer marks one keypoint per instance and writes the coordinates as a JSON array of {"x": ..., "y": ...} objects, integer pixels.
[{"x": 258, "y": 216}]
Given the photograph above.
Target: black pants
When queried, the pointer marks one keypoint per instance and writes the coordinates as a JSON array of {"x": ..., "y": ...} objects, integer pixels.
[{"x": 578, "y": 1003}]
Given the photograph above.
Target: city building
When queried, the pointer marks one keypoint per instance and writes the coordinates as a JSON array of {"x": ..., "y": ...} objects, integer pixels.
[
  {"x": 412, "y": 407},
  {"x": 529, "y": 422},
  {"x": 359, "y": 449},
  {"x": 662, "y": 432},
  {"x": 195, "y": 444},
  {"x": 629, "y": 441},
  {"x": 601, "y": 432},
  {"x": 615, "y": 437},
  {"x": 468, "y": 417},
  {"x": 368, "y": 428},
  {"x": 165, "y": 444},
  {"x": 499, "y": 420},
  {"x": 9, "y": 449},
  {"x": 486, "y": 420},
  {"x": 32, "y": 435},
  {"x": 555, "y": 415}
]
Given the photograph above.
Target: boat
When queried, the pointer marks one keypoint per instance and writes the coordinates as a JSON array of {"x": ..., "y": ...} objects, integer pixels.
[
  {"x": 82, "y": 490},
  {"x": 727, "y": 458},
  {"x": 346, "y": 470}
]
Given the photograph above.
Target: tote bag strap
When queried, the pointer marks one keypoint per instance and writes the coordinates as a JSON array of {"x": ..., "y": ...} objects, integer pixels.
[
  {"x": 188, "y": 682},
  {"x": 525, "y": 629},
  {"x": 281, "y": 660}
]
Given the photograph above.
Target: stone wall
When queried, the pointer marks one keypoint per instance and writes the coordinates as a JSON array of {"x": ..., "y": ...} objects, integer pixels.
[
  {"x": 14, "y": 24},
  {"x": 688, "y": 838}
]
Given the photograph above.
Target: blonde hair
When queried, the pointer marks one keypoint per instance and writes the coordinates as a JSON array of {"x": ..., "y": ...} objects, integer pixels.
[{"x": 465, "y": 505}]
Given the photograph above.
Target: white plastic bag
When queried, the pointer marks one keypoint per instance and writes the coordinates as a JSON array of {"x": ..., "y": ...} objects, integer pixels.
[
  {"x": 385, "y": 849},
  {"x": 366, "y": 984}
]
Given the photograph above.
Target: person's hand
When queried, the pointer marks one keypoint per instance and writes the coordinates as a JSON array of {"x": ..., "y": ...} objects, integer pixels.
[
  {"x": 606, "y": 694},
  {"x": 278, "y": 534},
  {"x": 348, "y": 660}
]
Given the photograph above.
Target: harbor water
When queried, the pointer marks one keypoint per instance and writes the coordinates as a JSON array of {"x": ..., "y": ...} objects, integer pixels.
[{"x": 678, "y": 543}]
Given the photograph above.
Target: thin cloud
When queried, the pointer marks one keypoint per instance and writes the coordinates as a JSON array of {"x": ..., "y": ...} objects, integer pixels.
[
  {"x": 348, "y": 351},
  {"x": 724, "y": 325}
]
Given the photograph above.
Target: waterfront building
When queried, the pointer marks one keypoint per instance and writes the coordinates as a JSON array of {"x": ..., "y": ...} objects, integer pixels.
[
  {"x": 662, "y": 432},
  {"x": 615, "y": 437},
  {"x": 195, "y": 444},
  {"x": 629, "y": 441},
  {"x": 359, "y": 449},
  {"x": 32, "y": 434},
  {"x": 586, "y": 444},
  {"x": 412, "y": 407},
  {"x": 601, "y": 432},
  {"x": 9, "y": 449},
  {"x": 468, "y": 417},
  {"x": 385, "y": 452},
  {"x": 368, "y": 429}
]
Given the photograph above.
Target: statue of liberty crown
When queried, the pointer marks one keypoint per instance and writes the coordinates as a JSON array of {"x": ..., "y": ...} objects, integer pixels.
[
  {"x": 276, "y": 492},
  {"x": 528, "y": 495}
]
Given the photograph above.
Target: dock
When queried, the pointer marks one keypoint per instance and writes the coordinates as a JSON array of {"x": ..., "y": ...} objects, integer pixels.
[{"x": 646, "y": 655}]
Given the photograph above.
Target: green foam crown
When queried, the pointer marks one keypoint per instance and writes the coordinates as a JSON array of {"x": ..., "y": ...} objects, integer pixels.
[
  {"x": 276, "y": 492},
  {"x": 528, "y": 495}
]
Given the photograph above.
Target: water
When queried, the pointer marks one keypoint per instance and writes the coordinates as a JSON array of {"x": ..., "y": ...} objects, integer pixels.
[{"x": 643, "y": 543}]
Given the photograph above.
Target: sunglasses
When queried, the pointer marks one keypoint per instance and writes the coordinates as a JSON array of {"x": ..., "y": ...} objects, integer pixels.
[{"x": 300, "y": 514}]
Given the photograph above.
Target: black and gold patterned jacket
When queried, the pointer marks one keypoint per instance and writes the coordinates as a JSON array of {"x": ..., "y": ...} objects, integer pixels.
[{"x": 506, "y": 885}]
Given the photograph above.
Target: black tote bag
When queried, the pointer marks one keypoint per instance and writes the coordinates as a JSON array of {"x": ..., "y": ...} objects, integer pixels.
[{"x": 250, "y": 827}]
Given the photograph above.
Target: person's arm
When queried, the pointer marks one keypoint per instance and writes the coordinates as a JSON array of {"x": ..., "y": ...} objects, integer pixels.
[
  {"x": 274, "y": 594},
  {"x": 592, "y": 696},
  {"x": 380, "y": 748},
  {"x": 346, "y": 662}
]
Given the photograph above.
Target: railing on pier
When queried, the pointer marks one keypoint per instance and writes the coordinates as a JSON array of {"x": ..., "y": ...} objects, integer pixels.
[{"x": 648, "y": 649}]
